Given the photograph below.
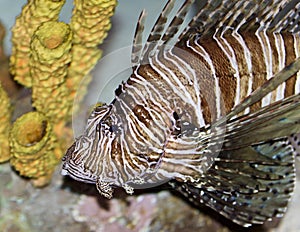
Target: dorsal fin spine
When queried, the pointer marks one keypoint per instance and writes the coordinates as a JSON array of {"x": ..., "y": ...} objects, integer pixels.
[
  {"x": 156, "y": 32},
  {"x": 176, "y": 22},
  {"x": 137, "y": 41}
]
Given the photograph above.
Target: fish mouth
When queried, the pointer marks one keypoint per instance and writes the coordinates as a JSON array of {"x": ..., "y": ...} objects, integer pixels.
[
  {"x": 69, "y": 153},
  {"x": 66, "y": 158}
]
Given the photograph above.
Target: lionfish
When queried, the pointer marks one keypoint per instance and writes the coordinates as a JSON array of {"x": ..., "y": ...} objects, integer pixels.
[{"x": 212, "y": 109}]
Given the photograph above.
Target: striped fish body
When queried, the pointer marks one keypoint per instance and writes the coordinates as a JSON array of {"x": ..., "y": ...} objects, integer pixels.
[{"x": 210, "y": 113}]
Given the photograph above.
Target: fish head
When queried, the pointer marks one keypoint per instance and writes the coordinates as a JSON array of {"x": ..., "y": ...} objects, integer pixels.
[
  {"x": 79, "y": 158},
  {"x": 99, "y": 156}
]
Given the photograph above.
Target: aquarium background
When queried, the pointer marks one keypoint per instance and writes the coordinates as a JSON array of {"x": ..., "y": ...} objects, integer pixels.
[{"x": 67, "y": 205}]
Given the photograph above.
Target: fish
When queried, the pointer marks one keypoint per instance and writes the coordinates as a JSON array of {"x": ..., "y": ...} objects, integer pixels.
[{"x": 211, "y": 109}]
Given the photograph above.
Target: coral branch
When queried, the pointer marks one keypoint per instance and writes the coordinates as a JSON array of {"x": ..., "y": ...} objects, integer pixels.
[
  {"x": 33, "y": 14},
  {"x": 5, "y": 117},
  {"x": 90, "y": 23},
  {"x": 33, "y": 149},
  {"x": 49, "y": 61}
]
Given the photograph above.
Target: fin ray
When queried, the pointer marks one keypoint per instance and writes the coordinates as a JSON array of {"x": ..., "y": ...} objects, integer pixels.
[
  {"x": 263, "y": 90},
  {"x": 157, "y": 30},
  {"x": 176, "y": 22},
  {"x": 137, "y": 40},
  {"x": 254, "y": 190},
  {"x": 271, "y": 15},
  {"x": 274, "y": 121}
]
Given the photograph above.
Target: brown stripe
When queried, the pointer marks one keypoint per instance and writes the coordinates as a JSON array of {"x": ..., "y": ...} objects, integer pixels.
[
  {"x": 116, "y": 153},
  {"x": 275, "y": 56},
  {"x": 290, "y": 57},
  {"x": 224, "y": 72},
  {"x": 142, "y": 114},
  {"x": 242, "y": 65},
  {"x": 258, "y": 64},
  {"x": 206, "y": 82},
  {"x": 275, "y": 60}
]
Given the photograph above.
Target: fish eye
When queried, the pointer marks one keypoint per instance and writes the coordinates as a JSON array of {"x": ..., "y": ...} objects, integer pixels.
[
  {"x": 113, "y": 128},
  {"x": 107, "y": 125}
]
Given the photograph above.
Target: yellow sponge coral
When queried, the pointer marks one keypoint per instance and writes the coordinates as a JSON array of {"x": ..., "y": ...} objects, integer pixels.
[
  {"x": 33, "y": 149},
  {"x": 52, "y": 58},
  {"x": 90, "y": 23},
  {"x": 49, "y": 61},
  {"x": 5, "y": 117},
  {"x": 33, "y": 14}
]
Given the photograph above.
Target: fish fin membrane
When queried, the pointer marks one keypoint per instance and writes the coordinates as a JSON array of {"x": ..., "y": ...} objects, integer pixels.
[
  {"x": 249, "y": 185},
  {"x": 279, "y": 119}
]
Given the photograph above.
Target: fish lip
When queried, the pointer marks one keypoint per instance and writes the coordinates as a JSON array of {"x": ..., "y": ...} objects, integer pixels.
[
  {"x": 69, "y": 153},
  {"x": 66, "y": 158},
  {"x": 64, "y": 171}
]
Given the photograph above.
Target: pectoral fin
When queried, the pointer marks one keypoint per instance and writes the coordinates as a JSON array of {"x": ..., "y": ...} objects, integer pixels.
[{"x": 249, "y": 185}]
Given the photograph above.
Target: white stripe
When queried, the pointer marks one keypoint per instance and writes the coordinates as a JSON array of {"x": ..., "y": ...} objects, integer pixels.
[
  {"x": 181, "y": 91},
  {"x": 151, "y": 90},
  {"x": 201, "y": 51},
  {"x": 267, "y": 53},
  {"x": 279, "y": 43},
  {"x": 183, "y": 67},
  {"x": 128, "y": 169},
  {"x": 297, "y": 52},
  {"x": 132, "y": 130},
  {"x": 156, "y": 105},
  {"x": 247, "y": 55},
  {"x": 229, "y": 52}
]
